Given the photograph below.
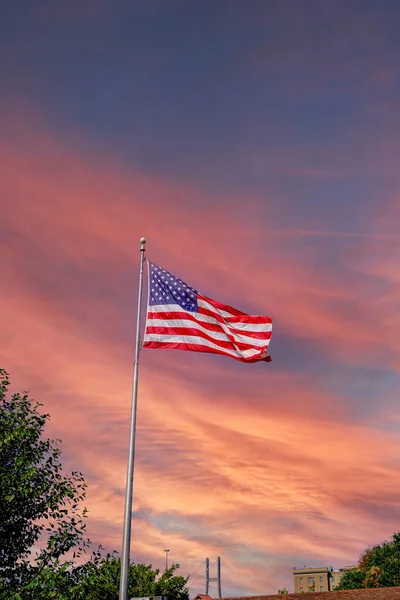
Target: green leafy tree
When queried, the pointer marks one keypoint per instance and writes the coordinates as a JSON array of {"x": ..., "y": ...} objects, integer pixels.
[
  {"x": 283, "y": 592},
  {"x": 379, "y": 566},
  {"x": 42, "y": 529},
  {"x": 351, "y": 580},
  {"x": 40, "y": 516},
  {"x": 103, "y": 583}
]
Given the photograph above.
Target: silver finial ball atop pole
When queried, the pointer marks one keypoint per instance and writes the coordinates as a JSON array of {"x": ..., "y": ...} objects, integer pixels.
[{"x": 143, "y": 240}]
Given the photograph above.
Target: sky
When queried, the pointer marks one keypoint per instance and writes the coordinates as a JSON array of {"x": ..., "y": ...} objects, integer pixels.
[{"x": 256, "y": 145}]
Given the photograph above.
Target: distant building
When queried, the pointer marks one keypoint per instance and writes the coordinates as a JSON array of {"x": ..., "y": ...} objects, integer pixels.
[{"x": 317, "y": 579}]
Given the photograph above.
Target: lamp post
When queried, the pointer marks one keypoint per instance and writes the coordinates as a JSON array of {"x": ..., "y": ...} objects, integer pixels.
[{"x": 166, "y": 558}]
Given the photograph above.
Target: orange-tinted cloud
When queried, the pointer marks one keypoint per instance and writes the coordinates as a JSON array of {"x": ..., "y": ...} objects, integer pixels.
[{"x": 266, "y": 465}]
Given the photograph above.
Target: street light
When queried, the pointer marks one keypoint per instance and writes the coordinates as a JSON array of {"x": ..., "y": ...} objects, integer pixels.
[{"x": 166, "y": 558}]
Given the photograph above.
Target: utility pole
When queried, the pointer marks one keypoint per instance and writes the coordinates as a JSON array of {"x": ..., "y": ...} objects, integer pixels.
[
  {"x": 207, "y": 575},
  {"x": 217, "y": 578},
  {"x": 166, "y": 558}
]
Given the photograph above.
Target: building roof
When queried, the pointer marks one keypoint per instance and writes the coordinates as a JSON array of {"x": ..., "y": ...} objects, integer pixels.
[
  {"x": 327, "y": 569},
  {"x": 312, "y": 570},
  {"x": 388, "y": 593}
]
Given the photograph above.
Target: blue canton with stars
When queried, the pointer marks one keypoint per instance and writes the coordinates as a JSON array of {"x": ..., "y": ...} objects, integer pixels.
[{"x": 165, "y": 288}]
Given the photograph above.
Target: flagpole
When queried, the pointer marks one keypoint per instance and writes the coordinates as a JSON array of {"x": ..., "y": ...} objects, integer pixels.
[{"x": 126, "y": 539}]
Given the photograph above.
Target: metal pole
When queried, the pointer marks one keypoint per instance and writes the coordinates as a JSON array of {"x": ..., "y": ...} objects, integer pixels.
[
  {"x": 166, "y": 558},
  {"x": 126, "y": 539},
  {"x": 207, "y": 575},
  {"x": 219, "y": 577}
]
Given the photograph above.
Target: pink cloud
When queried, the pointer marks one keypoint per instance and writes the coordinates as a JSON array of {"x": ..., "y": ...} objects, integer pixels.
[{"x": 230, "y": 460}]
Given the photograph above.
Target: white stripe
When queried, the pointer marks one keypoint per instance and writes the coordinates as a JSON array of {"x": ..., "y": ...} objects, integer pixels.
[
  {"x": 224, "y": 327},
  {"x": 219, "y": 311},
  {"x": 177, "y": 308},
  {"x": 217, "y": 335},
  {"x": 166, "y": 308},
  {"x": 237, "y": 325},
  {"x": 260, "y": 327},
  {"x": 189, "y": 339},
  {"x": 247, "y": 327}
]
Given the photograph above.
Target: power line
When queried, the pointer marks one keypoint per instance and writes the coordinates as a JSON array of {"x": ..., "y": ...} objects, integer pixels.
[
  {"x": 198, "y": 567},
  {"x": 195, "y": 577}
]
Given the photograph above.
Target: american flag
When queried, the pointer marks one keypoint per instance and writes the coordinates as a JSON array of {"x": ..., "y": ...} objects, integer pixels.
[{"x": 179, "y": 317}]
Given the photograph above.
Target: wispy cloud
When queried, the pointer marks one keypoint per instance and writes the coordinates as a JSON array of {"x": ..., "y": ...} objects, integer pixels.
[{"x": 264, "y": 465}]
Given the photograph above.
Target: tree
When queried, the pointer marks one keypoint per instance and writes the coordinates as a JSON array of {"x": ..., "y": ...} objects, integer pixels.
[
  {"x": 379, "y": 566},
  {"x": 283, "y": 592},
  {"x": 103, "y": 583},
  {"x": 39, "y": 503},
  {"x": 41, "y": 524},
  {"x": 351, "y": 580}
]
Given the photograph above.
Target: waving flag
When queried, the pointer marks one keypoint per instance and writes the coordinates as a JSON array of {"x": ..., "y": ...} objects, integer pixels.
[{"x": 179, "y": 317}]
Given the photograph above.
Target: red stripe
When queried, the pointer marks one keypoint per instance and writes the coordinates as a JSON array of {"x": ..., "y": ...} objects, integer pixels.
[
  {"x": 221, "y": 306},
  {"x": 257, "y": 335},
  {"x": 199, "y": 348},
  {"x": 235, "y": 319},
  {"x": 196, "y": 332},
  {"x": 248, "y": 319},
  {"x": 238, "y": 316},
  {"x": 210, "y": 313},
  {"x": 167, "y": 316}
]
